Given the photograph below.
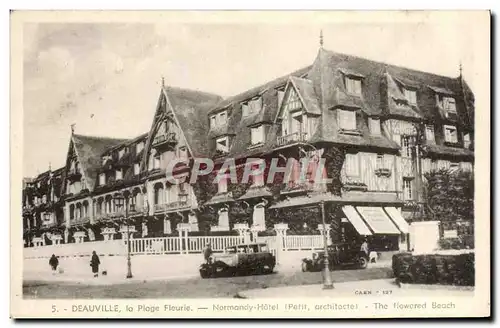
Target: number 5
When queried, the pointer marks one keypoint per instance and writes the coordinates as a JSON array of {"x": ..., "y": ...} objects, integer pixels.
[{"x": 54, "y": 308}]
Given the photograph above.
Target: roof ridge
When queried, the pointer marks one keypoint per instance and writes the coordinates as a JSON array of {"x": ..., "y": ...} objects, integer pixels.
[
  {"x": 99, "y": 137},
  {"x": 388, "y": 64}
]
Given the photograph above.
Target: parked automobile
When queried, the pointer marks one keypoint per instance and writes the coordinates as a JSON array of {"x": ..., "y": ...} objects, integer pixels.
[
  {"x": 338, "y": 255},
  {"x": 240, "y": 259}
]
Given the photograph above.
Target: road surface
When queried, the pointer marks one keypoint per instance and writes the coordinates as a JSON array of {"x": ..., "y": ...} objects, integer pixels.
[{"x": 192, "y": 287}]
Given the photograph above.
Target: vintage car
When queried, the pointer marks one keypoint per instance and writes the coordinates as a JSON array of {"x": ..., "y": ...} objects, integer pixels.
[
  {"x": 338, "y": 255},
  {"x": 241, "y": 259}
]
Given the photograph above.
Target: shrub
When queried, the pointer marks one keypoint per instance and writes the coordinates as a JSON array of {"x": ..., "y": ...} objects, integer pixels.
[
  {"x": 455, "y": 270},
  {"x": 461, "y": 242}
]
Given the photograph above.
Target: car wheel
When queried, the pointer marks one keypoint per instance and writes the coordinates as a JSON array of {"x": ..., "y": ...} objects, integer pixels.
[
  {"x": 204, "y": 274},
  {"x": 363, "y": 262},
  {"x": 270, "y": 269}
]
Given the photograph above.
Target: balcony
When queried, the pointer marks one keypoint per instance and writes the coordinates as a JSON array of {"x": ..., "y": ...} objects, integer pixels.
[
  {"x": 292, "y": 138},
  {"x": 177, "y": 205},
  {"x": 74, "y": 174},
  {"x": 297, "y": 188},
  {"x": 165, "y": 140}
]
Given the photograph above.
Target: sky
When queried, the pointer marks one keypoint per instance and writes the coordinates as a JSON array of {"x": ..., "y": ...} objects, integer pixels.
[{"x": 105, "y": 77}]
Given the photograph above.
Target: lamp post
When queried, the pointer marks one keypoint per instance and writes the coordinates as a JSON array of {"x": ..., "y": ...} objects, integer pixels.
[
  {"x": 119, "y": 202},
  {"x": 327, "y": 278}
]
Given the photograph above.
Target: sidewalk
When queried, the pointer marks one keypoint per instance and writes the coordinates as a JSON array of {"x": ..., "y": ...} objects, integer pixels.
[{"x": 376, "y": 287}]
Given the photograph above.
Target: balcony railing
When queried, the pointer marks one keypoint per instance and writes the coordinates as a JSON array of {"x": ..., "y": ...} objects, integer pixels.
[
  {"x": 169, "y": 138},
  {"x": 292, "y": 138},
  {"x": 74, "y": 174},
  {"x": 180, "y": 204}
]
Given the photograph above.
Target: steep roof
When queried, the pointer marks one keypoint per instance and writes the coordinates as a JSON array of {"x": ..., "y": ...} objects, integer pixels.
[
  {"x": 89, "y": 150},
  {"x": 377, "y": 77},
  {"x": 191, "y": 108}
]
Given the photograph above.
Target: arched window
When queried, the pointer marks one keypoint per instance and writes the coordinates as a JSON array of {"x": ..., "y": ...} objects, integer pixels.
[{"x": 72, "y": 212}]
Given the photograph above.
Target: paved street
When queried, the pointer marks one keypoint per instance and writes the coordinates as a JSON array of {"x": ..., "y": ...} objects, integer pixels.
[{"x": 193, "y": 287}]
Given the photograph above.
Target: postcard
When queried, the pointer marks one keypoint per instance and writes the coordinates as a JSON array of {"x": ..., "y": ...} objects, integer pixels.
[{"x": 250, "y": 164}]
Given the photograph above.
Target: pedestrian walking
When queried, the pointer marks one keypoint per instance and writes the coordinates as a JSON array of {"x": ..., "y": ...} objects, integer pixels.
[
  {"x": 94, "y": 263},
  {"x": 207, "y": 253},
  {"x": 53, "y": 262}
]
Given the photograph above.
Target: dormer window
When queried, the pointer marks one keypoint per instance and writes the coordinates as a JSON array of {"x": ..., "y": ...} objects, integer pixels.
[
  {"x": 105, "y": 159},
  {"x": 102, "y": 179},
  {"x": 449, "y": 105},
  {"x": 258, "y": 135},
  {"x": 251, "y": 107},
  {"x": 411, "y": 96},
  {"x": 222, "y": 118},
  {"x": 139, "y": 147},
  {"x": 222, "y": 144},
  {"x": 347, "y": 119},
  {"x": 219, "y": 119},
  {"x": 119, "y": 175},
  {"x": 374, "y": 126},
  {"x": 353, "y": 85},
  {"x": 450, "y": 134}
]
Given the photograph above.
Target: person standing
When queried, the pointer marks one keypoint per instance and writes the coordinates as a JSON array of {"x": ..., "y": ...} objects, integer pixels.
[
  {"x": 207, "y": 253},
  {"x": 94, "y": 263},
  {"x": 53, "y": 262},
  {"x": 364, "y": 247}
]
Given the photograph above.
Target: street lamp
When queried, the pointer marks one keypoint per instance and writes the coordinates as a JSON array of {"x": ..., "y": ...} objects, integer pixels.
[
  {"x": 327, "y": 277},
  {"x": 120, "y": 201}
]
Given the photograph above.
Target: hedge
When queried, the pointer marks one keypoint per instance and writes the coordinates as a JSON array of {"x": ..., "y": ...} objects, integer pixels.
[
  {"x": 458, "y": 270},
  {"x": 461, "y": 242}
]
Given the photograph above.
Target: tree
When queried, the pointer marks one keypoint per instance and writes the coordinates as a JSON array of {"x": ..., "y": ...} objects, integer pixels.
[{"x": 450, "y": 195}]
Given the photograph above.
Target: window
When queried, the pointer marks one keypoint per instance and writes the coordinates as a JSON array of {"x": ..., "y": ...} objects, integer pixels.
[
  {"x": 137, "y": 168},
  {"x": 213, "y": 121},
  {"x": 429, "y": 133},
  {"x": 353, "y": 86},
  {"x": 121, "y": 152},
  {"x": 293, "y": 102},
  {"x": 411, "y": 95},
  {"x": 222, "y": 118},
  {"x": 244, "y": 109},
  {"x": 257, "y": 135},
  {"x": 139, "y": 147},
  {"x": 449, "y": 105},
  {"x": 466, "y": 140},
  {"x": 118, "y": 175},
  {"x": 156, "y": 162},
  {"x": 374, "y": 125},
  {"x": 406, "y": 146},
  {"x": 347, "y": 119},
  {"x": 102, "y": 179},
  {"x": 352, "y": 165},
  {"x": 450, "y": 134},
  {"x": 222, "y": 186},
  {"x": 408, "y": 189},
  {"x": 183, "y": 152},
  {"x": 222, "y": 144}
]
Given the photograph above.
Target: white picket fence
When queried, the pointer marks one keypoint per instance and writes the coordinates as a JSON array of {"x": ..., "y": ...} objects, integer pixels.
[{"x": 171, "y": 245}]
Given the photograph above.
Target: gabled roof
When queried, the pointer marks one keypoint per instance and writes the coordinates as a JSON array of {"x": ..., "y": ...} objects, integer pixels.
[
  {"x": 306, "y": 93},
  {"x": 190, "y": 109},
  {"x": 89, "y": 150}
]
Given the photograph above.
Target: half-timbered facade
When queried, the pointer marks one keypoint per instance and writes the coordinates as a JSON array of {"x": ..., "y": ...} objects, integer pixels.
[{"x": 379, "y": 128}]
